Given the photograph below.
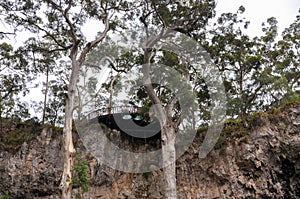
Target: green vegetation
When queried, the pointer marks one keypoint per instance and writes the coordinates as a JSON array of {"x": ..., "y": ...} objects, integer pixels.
[
  {"x": 146, "y": 175},
  {"x": 15, "y": 132},
  {"x": 235, "y": 131},
  {"x": 221, "y": 145},
  {"x": 259, "y": 72},
  {"x": 80, "y": 176},
  {"x": 5, "y": 196}
]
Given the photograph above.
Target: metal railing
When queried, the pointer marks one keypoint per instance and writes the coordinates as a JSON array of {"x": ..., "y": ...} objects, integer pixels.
[{"x": 113, "y": 110}]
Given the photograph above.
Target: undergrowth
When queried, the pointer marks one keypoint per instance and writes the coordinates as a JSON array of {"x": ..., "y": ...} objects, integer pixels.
[{"x": 14, "y": 132}]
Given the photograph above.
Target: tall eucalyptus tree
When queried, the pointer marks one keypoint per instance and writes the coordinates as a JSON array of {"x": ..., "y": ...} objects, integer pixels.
[
  {"x": 59, "y": 24},
  {"x": 156, "y": 19}
]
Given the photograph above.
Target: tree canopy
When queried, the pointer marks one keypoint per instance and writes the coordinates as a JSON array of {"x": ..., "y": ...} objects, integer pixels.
[{"x": 258, "y": 72}]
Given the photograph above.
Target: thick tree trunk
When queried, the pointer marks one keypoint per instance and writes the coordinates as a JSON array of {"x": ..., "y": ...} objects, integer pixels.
[
  {"x": 167, "y": 132},
  {"x": 169, "y": 158},
  {"x": 67, "y": 153},
  {"x": 66, "y": 182}
]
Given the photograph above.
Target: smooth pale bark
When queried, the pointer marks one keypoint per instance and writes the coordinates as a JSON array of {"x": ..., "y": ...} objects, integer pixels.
[
  {"x": 67, "y": 135},
  {"x": 68, "y": 150},
  {"x": 109, "y": 106},
  {"x": 169, "y": 158},
  {"x": 167, "y": 131}
]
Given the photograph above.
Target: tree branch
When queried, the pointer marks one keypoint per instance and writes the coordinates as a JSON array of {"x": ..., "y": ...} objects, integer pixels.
[
  {"x": 54, "y": 50},
  {"x": 11, "y": 90},
  {"x": 7, "y": 33},
  {"x": 158, "y": 14},
  {"x": 48, "y": 34},
  {"x": 170, "y": 107},
  {"x": 92, "y": 44},
  {"x": 91, "y": 64},
  {"x": 254, "y": 94},
  {"x": 71, "y": 26}
]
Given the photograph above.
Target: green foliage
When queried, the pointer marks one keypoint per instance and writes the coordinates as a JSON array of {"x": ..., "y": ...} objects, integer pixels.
[
  {"x": 223, "y": 150},
  {"x": 147, "y": 175},
  {"x": 235, "y": 130},
  {"x": 202, "y": 128},
  {"x": 13, "y": 77},
  {"x": 5, "y": 196},
  {"x": 78, "y": 196},
  {"x": 55, "y": 103},
  {"x": 259, "y": 72},
  {"x": 221, "y": 145},
  {"x": 14, "y": 132},
  {"x": 80, "y": 176},
  {"x": 255, "y": 69}
]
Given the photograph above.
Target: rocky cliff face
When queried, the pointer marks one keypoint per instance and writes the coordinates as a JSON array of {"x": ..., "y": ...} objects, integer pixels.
[
  {"x": 34, "y": 169},
  {"x": 262, "y": 161}
]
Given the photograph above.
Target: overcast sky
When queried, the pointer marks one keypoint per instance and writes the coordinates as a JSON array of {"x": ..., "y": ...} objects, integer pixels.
[{"x": 258, "y": 11}]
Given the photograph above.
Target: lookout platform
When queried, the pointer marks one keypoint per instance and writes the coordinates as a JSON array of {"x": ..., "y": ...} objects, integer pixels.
[{"x": 128, "y": 120}]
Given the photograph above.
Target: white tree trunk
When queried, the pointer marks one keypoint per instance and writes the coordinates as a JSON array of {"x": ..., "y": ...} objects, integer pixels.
[
  {"x": 66, "y": 181},
  {"x": 167, "y": 132},
  {"x": 68, "y": 150},
  {"x": 169, "y": 158}
]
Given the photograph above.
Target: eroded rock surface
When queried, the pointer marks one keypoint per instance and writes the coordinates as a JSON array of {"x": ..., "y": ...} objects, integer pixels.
[{"x": 262, "y": 161}]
